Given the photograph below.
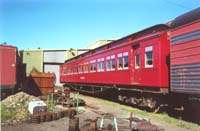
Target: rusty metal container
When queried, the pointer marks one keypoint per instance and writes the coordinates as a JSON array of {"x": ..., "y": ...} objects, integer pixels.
[
  {"x": 42, "y": 117},
  {"x": 74, "y": 124},
  {"x": 35, "y": 118},
  {"x": 48, "y": 116},
  {"x": 54, "y": 116},
  {"x": 44, "y": 81}
]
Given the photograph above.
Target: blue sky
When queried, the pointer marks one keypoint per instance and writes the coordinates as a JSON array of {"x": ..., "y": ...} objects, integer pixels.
[{"x": 51, "y": 24}]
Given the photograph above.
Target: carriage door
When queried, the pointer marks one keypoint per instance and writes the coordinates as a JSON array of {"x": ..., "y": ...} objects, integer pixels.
[{"x": 136, "y": 64}]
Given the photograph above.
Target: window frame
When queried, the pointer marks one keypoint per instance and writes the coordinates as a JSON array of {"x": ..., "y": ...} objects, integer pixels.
[
  {"x": 112, "y": 68},
  {"x": 112, "y": 58},
  {"x": 136, "y": 65},
  {"x": 81, "y": 68},
  {"x": 148, "y": 49},
  {"x": 125, "y": 54},
  {"x": 75, "y": 70},
  {"x": 108, "y": 63},
  {"x": 119, "y": 56},
  {"x": 86, "y": 67},
  {"x": 102, "y": 65},
  {"x": 65, "y": 72},
  {"x": 92, "y": 66},
  {"x": 98, "y": 65}
]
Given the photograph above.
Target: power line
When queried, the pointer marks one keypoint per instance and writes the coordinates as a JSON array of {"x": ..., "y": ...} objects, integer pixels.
[{"x": 177, "y": 4}]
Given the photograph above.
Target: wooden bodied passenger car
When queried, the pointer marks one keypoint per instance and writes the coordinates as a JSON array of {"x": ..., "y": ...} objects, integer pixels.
[
  {"x": 139, "y": 61},
  {"x": 8, "y": 64},
  {"x": 185, "y": 53}
]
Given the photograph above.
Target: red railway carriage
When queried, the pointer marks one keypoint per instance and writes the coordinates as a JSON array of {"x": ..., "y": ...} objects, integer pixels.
[
  {"x": 185, "y": 53},
  {"x": 136, "y": 61},
  {"x": 7, "y": 66}
]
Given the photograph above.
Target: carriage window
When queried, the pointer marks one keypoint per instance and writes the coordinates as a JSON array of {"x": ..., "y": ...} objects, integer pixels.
[
  {"x": 65, "y": 72},
  {"x": 149, "y": 56},
  {"x": 108, "y": 65},
  {"x": 126, "y": 62},
  {"x": 91, "y": 67},
  {"x": 80, "y": 69},
  {"x": 137, "y": 61},
  {"x": 102, "y": 65},
  {"x": 86, "y": 68},
  {"x": 72, "y": 71},
  {"x": 149, "y": 59},
  {"x": 112, "y": 64},
  {"x": 76, "y": 70},
  {"x": 120, "y": 61},
  {"x": 99, "y": 66},
  {"x": 94, "y": 67},
  {"x": 69, "y": 71}
]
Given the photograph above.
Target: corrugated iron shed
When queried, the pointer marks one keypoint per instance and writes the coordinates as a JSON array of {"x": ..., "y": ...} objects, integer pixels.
[
  {"x": 48, "y": 60},
  {"x": 33, "y": 60},
  {"x": 99, "y": 43}
]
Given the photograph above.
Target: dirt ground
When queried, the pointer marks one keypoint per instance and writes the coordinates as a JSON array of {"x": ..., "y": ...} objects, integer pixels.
[{"x": 88, "y": 113}]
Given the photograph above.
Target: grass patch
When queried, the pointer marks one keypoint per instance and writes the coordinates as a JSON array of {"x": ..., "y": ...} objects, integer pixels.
[
  {"x": 7, "y": 114},
  {"x": 164, "y": 118},
  {"x": 14, "y": 112}
]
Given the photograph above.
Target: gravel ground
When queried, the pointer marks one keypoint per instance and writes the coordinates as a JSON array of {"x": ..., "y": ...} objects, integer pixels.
[
  {"x": 118, "y": 112},
  {"x": 88, "y": 113}
]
